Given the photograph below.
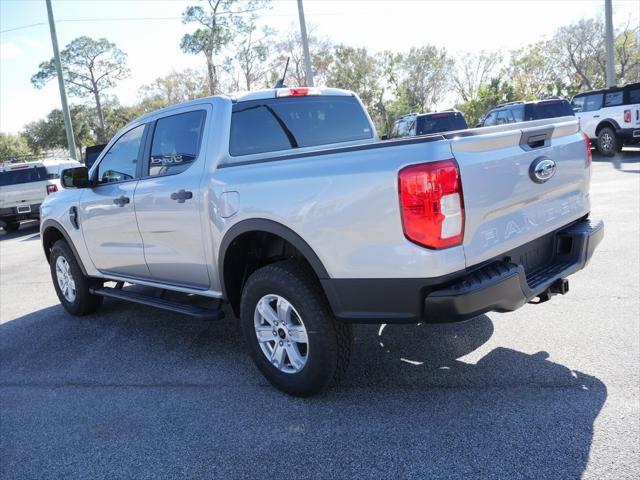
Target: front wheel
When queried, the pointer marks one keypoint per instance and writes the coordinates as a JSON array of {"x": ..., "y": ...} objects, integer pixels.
[
  {"x": 608, "y": 142},
  {"x": 72, "y": 286},
  {"x": 291, "y": 333}
]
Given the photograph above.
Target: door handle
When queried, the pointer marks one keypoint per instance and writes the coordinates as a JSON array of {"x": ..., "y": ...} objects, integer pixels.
[
  {"x": 121, "y": 201},
  {"x": 596, "y": 116},
  {"x": 181, "y": 195}
]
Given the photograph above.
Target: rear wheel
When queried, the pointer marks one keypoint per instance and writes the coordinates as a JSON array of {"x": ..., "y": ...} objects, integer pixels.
[
  {"x": 72, "y": 286},
  {"x": 291, "y": 333},
  {"x": 11, "y": 226},
  {"x": 608, "y": 142}
]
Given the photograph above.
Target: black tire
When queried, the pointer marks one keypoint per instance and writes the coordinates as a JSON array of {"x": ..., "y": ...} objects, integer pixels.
[
  {"x": 608, "y": 142},
  {"x": 11, "y": 226},
  {"x": 84, "y": 302},
  {"x": 329, "y": 341}
]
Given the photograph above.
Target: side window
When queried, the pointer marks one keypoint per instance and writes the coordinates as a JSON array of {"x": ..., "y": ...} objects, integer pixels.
[
  {"x": 175, "y": 144},
  {"x": 613, "y": 99},
  {"x": 633, "y": 96},
  {"x": 490, "y": 121},
  {"x": 518, "y": 113},
  {"x": 119, "y": 163},
  {"x": 593, "y": 102},
  {"x": 578, "y": 104},
  {"x": 503, "y": 117}
]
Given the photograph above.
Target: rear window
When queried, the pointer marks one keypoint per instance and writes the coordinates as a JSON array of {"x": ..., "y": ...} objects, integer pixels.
[
  {"x": 270, "y": 125},
  {"x": 444, "y": 122},
  {"x": 26, "y": 175},
  {"x": 634, "y": 96},
  {"x": 552, "y": 109}
]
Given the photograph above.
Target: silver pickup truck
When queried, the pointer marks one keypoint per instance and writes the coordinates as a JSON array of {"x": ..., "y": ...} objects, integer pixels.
[{"x": 283, "y": 204}]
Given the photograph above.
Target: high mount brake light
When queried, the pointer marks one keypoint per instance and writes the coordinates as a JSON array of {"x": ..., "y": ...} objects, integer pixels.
[
  {"x": 431, "y": 204},
  {"x": 297, "y": 92}
]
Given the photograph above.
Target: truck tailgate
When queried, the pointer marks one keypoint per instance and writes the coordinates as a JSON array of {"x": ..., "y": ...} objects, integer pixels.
[{"x": 506, "y": 205}]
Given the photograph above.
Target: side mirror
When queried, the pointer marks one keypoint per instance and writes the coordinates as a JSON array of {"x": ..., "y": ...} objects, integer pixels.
[
  {"x": 77, "y": 177},
  {"x": 384, "y": 137},
  {"x": 478, "y": 125}
]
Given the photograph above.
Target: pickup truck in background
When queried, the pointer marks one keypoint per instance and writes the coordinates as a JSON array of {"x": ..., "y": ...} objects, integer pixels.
[
  {"x": 283, "y": 204},
  {"x": 611, "y": 117},
  {"x": 23, "y": 187}
]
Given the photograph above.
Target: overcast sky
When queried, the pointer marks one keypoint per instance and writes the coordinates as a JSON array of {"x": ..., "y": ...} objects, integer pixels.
[{"x": 152, "y": 44}]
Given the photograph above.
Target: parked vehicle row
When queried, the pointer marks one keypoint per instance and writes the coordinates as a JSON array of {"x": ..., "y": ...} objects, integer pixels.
[
  {"x": 283, "y": 204},
  {"x": 610, "y": 117},
  {"x": 23, "y": 187}
]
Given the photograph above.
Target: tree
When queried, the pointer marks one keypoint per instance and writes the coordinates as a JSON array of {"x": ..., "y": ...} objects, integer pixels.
[
  {"x": 291, "y": 47},
  {"x": 219, "y": 23},
  {"x": 89, "y": 68},
  {"x": 175, "y": 87},
  {"x": 474, "y": 70},
  {"x": 627, "y": 48},
  {"x": 489, "y": 95},
  {"x": 356, "y": 70},
  {"x": 13, "y": 146},
  {"x": 535, "y": 72},
  {"x": 252, "y": 53},
  {"x": 49, "y": 133},
  {"x": 426, "y": 74}
]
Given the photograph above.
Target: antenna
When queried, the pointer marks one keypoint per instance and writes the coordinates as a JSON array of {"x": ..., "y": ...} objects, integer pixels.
[{"x": 280, "y": 83}]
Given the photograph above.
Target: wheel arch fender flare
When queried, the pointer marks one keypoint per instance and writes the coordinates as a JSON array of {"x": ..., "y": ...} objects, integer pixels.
[
  {"x": 49, "y": 225},
  {"x": 603, "y": 123},
  {"x": 275, "y": 228}
]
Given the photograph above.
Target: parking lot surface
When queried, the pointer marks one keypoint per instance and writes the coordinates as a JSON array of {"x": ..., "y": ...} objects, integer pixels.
[{"x": 549, "y": 391}]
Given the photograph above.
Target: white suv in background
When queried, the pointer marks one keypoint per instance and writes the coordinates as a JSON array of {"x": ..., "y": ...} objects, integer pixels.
[
  {"x": 25, "y": 185},
  {"x": 611, "y": 117}
]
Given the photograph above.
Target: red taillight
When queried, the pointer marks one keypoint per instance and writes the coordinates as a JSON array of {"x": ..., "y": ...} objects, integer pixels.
[
  {"x": 51, "y": 188},
  {"x": 297, "y": 92},
  {"x": 627, "y": 116},
  {"x": 431, "y": 204}
]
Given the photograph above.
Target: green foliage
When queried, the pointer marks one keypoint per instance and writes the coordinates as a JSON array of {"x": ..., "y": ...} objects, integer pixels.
[
  {"x": 219, "y": 21},
  {"x": 13, "y": 146},
  {"x": 354, "y": 69},
  {"x": 49, "y": 133},
  {"x": 89, "y": 68},
  {"x": 489, "y": 96},
  {"x": 173, "y": 88},
  {"x": 427, "y": 72}
]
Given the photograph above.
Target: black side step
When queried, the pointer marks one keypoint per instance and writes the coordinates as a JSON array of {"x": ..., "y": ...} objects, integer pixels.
[{"x": 154, "y": 301}]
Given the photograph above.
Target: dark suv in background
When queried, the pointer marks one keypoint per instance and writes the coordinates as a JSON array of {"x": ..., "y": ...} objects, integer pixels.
[
  {"x": 414, "y": 124},
  {"x": 514, "y": 112}
]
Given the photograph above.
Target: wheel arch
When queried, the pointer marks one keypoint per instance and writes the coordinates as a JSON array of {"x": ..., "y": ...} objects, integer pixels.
[
  {"x": 607, "y": 122},
  {"x": 53, "y": 231},
  {"x": 274, "y": 242}
]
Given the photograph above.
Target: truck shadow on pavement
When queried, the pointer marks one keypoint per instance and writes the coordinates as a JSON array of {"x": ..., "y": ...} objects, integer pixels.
[
  {"x": 29, "y": 230},
  {"x": 133, "y": 392}
]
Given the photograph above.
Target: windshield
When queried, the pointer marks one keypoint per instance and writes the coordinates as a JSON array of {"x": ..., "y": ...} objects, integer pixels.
[
  {"x": 440, "y": 122},
  {"x": 25, "y": 175},
  {"x": 287, "y": 123}
]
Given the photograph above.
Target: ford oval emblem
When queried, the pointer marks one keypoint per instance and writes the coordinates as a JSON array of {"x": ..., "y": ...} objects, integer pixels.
[{"x": 542, "y": 169}]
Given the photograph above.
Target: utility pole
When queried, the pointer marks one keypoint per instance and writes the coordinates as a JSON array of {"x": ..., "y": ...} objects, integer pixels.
[
  {"x": 305, "y": 45},
  {"x": 608, "y": 42},
  {"x": 63, "y": 94}
]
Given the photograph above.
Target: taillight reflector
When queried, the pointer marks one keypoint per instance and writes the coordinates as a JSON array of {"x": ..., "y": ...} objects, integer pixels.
[
  {"x": 627, "y": 116},
  {"x": 51, "y": 188},
  {"x": 431, "y": 204}
]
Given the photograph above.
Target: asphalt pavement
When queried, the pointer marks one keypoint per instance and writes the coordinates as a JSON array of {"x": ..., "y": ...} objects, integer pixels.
[{"x": 550, "y": 391}]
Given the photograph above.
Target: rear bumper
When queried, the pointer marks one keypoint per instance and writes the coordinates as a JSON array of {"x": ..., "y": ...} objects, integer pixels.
[
  {"x": 13, "y": 214},
  {"x": 502, "y": 285}
]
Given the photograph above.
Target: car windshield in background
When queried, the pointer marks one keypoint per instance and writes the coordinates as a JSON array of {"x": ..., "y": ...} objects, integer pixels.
[
  {"x": 440, "y": 122},
  {"x": 270, "y": 125},
  {"x": 549, "y": 109},
  {"x": 25, "y": 175}
]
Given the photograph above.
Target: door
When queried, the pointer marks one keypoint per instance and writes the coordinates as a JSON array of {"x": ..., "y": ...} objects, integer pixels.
[
  {"x": 169, "y": 199},
  {"x": 589, "y": 113},
  {"x": 107, "y": 215}
]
